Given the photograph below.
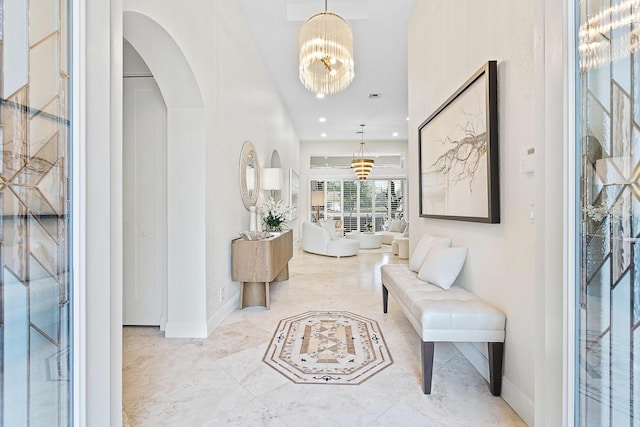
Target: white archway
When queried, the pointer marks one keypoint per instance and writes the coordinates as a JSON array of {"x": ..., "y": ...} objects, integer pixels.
[{"x": 186, "y": 260}]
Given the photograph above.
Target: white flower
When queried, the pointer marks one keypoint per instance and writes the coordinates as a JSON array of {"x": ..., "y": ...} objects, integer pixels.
[
  {"x": 274, "y": 214},
  {"x": 597, "y": 213}
]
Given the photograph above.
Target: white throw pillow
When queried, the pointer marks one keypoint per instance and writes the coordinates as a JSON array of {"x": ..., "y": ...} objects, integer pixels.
[
  {"x": 422, "y": 248},
  {"x": 396, "y": 225},
  {"x": 405, "y": 233},
  {"x": 330, "y": 227},
  {"x": 442, "y": 265}
]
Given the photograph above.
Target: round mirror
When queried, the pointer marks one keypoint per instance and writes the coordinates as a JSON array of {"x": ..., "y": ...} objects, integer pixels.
[{"x": 249, "y": 175}]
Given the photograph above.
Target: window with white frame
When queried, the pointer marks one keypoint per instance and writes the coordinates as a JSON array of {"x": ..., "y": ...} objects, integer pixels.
[{"x": 366, "y": 205}]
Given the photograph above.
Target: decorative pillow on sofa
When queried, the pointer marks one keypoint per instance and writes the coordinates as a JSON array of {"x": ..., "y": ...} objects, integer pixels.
[
  {"x": 405, "y": 233},
  {"x": 330, "y": 227},
  {"x": 442, "y": 265},
  {"x": 397, "y": 225},
  {"x": 421, "y": 250}
]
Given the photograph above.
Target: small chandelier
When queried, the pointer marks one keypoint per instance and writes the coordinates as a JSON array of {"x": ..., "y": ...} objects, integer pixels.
[
  {"x": 361, "y": 165},
  {"x": 326, "y": 53}
]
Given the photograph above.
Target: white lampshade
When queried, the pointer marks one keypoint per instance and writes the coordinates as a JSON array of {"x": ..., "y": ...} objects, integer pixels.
[
  {"x": 317, "y": 198},
  {"x": 271, "y": 179}
]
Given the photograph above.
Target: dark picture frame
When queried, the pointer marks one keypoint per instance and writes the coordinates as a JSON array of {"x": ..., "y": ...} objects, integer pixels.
[{"x": 458, "y": 153}]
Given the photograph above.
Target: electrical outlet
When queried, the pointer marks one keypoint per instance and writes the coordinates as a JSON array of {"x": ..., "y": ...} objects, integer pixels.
[{"x": 222, "y": 294}]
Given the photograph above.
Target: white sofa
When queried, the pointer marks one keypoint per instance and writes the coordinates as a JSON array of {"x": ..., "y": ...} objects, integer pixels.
[
  {"x": 318, "y": 240},
  {"x": 397, "y": 228}
]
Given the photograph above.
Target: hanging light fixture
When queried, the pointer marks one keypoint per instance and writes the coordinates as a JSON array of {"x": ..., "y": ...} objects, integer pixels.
[
  {"x": 326, "y": 53},
  {"x": 361, "y": 165}
]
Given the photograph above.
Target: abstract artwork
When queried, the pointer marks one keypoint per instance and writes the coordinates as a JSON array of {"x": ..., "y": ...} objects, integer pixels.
[
  {"x": 294, "y": 192},
  {"x": 458, "y": 153}
]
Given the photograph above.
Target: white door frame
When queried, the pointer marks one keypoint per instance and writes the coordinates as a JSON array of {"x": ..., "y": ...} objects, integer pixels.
[{"x": 569, "y": 238}]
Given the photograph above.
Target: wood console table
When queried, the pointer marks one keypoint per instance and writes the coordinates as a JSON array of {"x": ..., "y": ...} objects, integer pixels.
[{"x": 257, "y": 263}]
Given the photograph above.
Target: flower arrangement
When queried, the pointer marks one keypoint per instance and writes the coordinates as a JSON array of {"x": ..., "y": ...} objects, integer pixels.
[
  {"x": 274, "y": 214},
  {"x": 598, "y": 212}
]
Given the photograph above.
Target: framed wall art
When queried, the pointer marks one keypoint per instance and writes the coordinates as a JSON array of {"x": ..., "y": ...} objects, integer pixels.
[
  {"x": 458, "y": 153},
  {"x": 294, "y": 192}
]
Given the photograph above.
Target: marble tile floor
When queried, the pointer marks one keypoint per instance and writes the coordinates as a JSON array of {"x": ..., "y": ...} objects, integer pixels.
[{"x": 222, "y": 381}]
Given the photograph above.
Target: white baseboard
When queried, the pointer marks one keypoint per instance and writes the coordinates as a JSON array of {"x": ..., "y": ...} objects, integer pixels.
[
  {"x": 520, "y": 403},
  {"x": 218, "y": 317},
  {"x": 201, "y": 330},
  {"x": 163, "y": 323},
  {"x": 185, "y": 330}
]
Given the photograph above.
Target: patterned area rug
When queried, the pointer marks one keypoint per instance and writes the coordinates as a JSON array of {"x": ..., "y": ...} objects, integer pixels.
[{"x": 328, "y": 347}]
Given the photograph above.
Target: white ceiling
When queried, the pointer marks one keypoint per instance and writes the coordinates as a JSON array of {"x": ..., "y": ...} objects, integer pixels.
[{"x": 380, "y": 55}]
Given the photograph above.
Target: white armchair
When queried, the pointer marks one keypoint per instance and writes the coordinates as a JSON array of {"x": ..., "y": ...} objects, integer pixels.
[{"x": 318, "y": 240}]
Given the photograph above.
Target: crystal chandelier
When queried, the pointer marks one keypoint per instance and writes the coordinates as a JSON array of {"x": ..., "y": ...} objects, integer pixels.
[
  {"x": 361, "y": 165},
  {"x": 326, "y": 53}
]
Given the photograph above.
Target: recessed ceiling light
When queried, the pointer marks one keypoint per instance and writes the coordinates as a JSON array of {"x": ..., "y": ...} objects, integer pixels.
[
  {"x": 395, "y": 134},
  {"x": 322, "y": 119},
  {"x": 324, "y": 135},
  {"x": 319, "y": 95},
  {"x": 407, "y": 118}
]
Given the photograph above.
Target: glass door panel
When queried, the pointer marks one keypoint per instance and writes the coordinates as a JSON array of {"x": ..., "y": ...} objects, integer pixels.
[
  {"x": 35, "y": 323},
  {"x": 608, "y": 127}
]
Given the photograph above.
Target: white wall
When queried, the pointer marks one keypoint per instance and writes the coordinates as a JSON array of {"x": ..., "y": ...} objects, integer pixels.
[
  {"x": 240, "y": 103},
  {"x": 319, "y": 148},
  {"x": 133, "y": 65},
  {"x": 448, "y": 42}
]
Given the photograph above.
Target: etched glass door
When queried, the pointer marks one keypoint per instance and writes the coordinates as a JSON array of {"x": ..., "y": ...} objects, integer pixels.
[
  {"x": 608, "y": 128},
  {"x": 35, "y": 313}
]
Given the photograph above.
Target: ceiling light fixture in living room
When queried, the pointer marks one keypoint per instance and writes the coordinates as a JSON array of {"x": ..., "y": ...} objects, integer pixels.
[
  {"x": 361, "y": 165},
  {"x": 326, "y": 53}
]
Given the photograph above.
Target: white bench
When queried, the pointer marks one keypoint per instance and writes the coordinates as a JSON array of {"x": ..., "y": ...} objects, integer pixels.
[{"x": 454, "y": 315}]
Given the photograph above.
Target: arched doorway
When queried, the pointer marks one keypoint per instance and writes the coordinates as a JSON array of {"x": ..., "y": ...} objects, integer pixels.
[{"x": 185, "y": 196}]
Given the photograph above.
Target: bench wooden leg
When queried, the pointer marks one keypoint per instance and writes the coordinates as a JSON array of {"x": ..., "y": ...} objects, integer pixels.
[
  {"x": 496, "y": 352},
  {"x": 427, "y": 366},
  {"x": 385, "y": 298}
]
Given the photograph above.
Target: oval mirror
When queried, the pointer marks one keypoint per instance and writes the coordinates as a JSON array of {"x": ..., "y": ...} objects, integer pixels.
[{"x": 249, "y": 175}]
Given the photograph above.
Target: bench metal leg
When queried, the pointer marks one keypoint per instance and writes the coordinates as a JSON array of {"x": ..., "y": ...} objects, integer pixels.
[
  {"x": 496, "y": 352},
  {"x": 385, "y": 298},
  {"x": 427, "y": 366}
]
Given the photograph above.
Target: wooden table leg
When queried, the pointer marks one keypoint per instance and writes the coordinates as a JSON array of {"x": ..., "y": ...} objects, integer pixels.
[{"x": 255, "y": 293}]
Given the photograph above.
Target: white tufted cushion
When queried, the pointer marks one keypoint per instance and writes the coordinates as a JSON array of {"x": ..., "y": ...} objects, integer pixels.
[
  {"x": 422, "y": 249},
  {"x": 438, "y": 315}
]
